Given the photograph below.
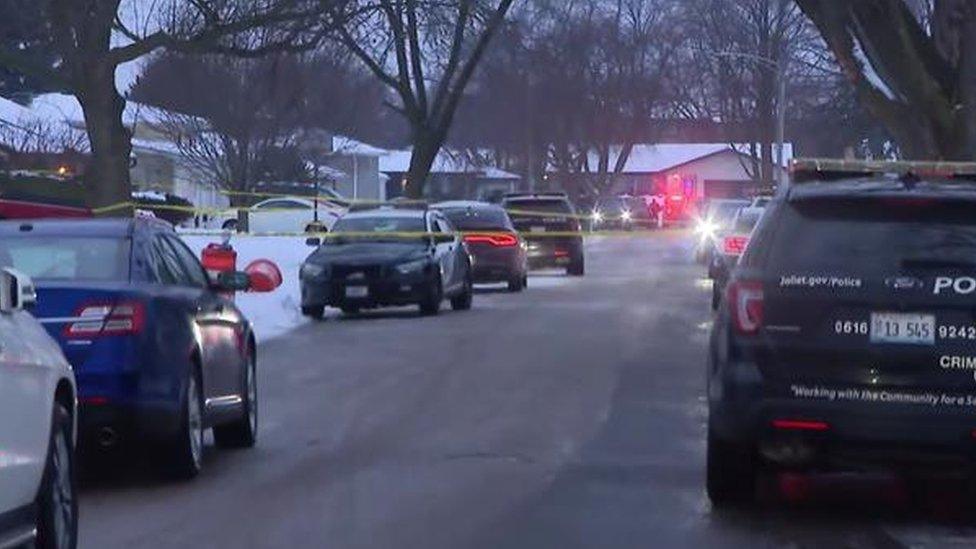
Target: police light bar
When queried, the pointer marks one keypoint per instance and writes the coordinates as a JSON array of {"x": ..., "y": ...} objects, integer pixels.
[{"x": 820, "y": 169}]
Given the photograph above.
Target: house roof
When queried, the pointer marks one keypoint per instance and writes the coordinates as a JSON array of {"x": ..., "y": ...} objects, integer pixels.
[
  {"x": 655, "y": 158},
  {"x": 347, "y": 145},
  {"x": 399, "y": 162}
]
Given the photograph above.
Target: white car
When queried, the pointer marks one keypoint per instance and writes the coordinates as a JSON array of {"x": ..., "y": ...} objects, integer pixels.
[
  {"x": 288, "y": 215},
  {"x": 37, "y": 427}
]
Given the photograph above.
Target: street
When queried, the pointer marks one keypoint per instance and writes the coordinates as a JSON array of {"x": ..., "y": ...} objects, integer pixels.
[{"x": 569, "y": 416}]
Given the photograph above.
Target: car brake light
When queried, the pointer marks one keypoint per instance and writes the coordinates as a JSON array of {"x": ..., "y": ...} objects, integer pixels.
[
  {"x": 746, "y": 302},
  {"x": 500, "y": 240},
  {"x": 97, "y": 320},
  {"x": 734, "y": 245},
  {"x": 800, "y": 425}
]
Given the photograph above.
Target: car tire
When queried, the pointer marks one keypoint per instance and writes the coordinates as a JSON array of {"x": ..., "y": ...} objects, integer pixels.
[
  {"x": 463, "y": 301},
  {"x": 315, "y": 312},
  {"x": 577, "y": 267},
  {"x": 57, "y": 502},
  {"x": 517, "y": 283},
  {"x": 730, "y": 473},
  {"x": 229, "y": 225},
  {"x": 431, "y": 305},
  {"x": 716, "y": 295},
  {"x": 243, "y": 433},
  {"x": 186, "y": 449}
]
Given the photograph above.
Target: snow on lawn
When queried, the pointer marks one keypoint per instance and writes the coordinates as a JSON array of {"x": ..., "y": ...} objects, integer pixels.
[{"x": 277, "y": 312}]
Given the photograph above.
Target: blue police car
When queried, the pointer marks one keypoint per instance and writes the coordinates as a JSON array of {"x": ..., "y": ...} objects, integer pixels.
[{"x": 160, "y": 354}]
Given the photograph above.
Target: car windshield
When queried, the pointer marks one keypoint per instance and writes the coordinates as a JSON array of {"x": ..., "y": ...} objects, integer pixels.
[
  {"x": 67, "y": 257},
  {"x": 380, "y": 225},
  {"x": 478, "y": 218},
  {"x": 723, "y": 212}
]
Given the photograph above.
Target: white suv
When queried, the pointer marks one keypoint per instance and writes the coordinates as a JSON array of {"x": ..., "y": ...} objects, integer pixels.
[{"x": 37, "y": 427}]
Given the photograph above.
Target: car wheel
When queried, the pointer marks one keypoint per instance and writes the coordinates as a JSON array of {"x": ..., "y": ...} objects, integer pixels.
[
  {"x": 315, "y": 312},
  {"x": 57, "y": 504},
  {"x": 576, "y": 268},
  {"x": 730, "y": 473},
  {"x": 517, "y": 284},
  {"x": 716, "y": 295},
  {"x": 187, "y": 448},
  {"x": 243, "y": 433},
  {"x": 462, "y": 301},
  {"x": 431, "y": 305},
  {"x": 229, "y": 225}
]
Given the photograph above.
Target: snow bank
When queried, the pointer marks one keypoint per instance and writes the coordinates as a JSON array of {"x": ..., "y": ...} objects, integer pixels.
[{"x": 280, "y": 311}]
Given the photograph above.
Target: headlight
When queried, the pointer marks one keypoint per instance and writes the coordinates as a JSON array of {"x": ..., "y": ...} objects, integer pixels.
[
  {"x": 707, "y": 228},
  {"x": 412, "y": 267},
  {"x": 312, "y": 270},
  {"x": 597, "y": 216},
  {"x": 625, "y": 215}
]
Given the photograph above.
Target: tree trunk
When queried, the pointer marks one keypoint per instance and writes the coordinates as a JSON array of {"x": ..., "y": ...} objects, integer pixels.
[
  {"x": 421, "y": 161},
  {"x": 107, "y": 177}
]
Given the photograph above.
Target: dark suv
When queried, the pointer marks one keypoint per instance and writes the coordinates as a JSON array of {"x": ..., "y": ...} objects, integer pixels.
[
  {"x": 847, "y": 336},
  {"x": 551, "y": 227}
]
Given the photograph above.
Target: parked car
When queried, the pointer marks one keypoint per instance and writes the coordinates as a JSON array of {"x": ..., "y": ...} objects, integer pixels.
[
  {"x": 551, "y": 228},
  {"x": 38, "y": 502},
  {"x": 160, "y": 354},
  {"x": 288, "y": 215},
  {"x": 497, "y": 251},
  {"x": 713, "y": 224},
  {"x": 389, "y": 256},
  {"x": 730, "y": 247}
]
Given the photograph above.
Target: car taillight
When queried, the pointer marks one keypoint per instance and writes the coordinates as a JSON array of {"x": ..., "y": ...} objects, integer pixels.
[
  {"x": 113, "y": 319},
  {"x": 500, "y": 240},
  {"x": 746, "y": 303},
  {"x": 734, "y": 245}
]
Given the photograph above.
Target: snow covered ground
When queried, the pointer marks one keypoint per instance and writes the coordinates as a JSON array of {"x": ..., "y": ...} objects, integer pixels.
[{"x": 277, "y": 312}]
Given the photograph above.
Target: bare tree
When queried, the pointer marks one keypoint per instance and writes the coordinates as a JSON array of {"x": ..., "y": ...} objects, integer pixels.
[
  {"x": 41, "y": 136},
  {"x": 93, "y": 39},
  {"x": 912, "y": 66},
  {"x": 426, "y": 52}
]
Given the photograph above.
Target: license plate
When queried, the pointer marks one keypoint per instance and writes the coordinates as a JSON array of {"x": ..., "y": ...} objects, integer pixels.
[
  {"x": 537, "y": 229},
  {"x": 357, "y": 291},
  {"x": 903, "y": 328}
]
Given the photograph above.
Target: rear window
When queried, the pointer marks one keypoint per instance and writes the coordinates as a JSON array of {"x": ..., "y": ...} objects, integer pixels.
[
  {"x": 540, "y": 206},
  {"x": 67, "y": 257},
  {"x": 478, "y": 219},
  {"x": 746, "y": 222},
  {"x": 874, "y": 236},
  {"x": 724, "y": 212}
]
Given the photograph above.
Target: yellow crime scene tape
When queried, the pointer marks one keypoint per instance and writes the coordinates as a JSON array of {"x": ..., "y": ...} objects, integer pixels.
[{"x": 641, "y": 228}]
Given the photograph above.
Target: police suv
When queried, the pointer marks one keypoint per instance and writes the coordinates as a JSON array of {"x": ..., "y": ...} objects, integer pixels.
[{"x": 846, "y": 339}]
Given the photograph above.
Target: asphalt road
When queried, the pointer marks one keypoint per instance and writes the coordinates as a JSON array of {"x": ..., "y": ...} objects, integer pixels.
[{"x": 569, "y": 416}]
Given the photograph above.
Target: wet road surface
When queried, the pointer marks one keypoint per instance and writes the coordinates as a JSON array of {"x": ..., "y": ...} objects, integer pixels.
[{"x": 572, "y": 415}]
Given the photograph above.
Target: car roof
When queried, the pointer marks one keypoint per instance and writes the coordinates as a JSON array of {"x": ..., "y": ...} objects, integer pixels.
[
  {"x": 883, "y": 187},
  {"x": 474, "y": 204},
  {"x": 385, "y": 212},
  {"x": 115, "y": 227}
]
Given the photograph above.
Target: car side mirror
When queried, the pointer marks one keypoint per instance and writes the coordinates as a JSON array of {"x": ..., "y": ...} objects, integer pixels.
[
  {"x": 17, "y": 291},
  {"x": 233, "y": 281}
]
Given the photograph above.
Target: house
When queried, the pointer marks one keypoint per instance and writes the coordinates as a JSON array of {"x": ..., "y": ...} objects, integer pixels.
[
  {"x": 453, "y": 176},
  {"x": 157, "y": 165},
  {"x": 694, "y": 171}
]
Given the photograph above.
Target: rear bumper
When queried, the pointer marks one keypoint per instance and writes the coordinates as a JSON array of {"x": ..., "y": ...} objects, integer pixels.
[
  {"x": 110, "y": 424},
  {"x": 553, "y": 252},
  {"x": 863, "y": 424},
  {"x": 497, "y": 265}
]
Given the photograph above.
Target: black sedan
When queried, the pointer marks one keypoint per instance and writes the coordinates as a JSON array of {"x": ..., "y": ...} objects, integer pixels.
[
  {"x": 388, "y": 256},
  {"x": 498, "y": 252}
]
